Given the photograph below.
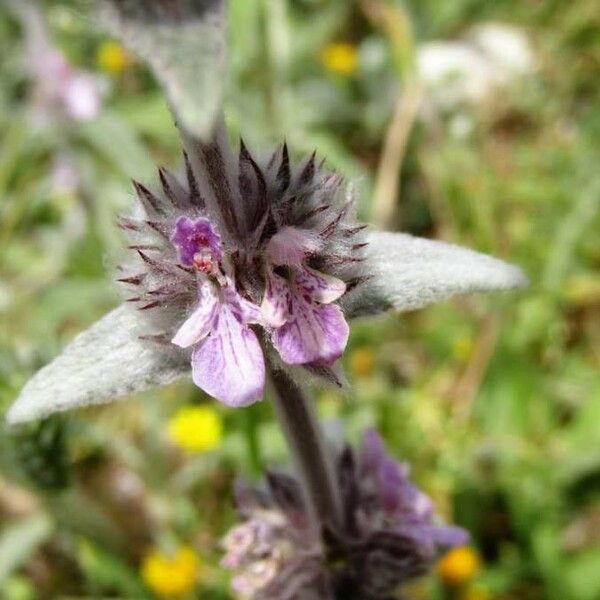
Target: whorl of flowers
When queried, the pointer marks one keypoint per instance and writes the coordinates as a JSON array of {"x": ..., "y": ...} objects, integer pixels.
[
  {"x": 390, "y": 534},
  {"x": 245, "y": 249}
]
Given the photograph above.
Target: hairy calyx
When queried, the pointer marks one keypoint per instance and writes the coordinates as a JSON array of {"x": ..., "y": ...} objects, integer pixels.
[{"x": 243, "y": 251}]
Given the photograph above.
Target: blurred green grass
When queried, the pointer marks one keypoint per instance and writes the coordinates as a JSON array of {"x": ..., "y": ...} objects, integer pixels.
[{"x": 494, "y": 401}]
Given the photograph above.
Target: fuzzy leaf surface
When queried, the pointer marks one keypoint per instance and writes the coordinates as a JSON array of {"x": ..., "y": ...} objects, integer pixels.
[
  {"x": 105, "y": 362},
  {"x": 406, "y": 273},
  {"x": 183, "y": 41}
]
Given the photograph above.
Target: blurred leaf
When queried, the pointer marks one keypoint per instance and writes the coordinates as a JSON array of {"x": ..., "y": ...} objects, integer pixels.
[
  {"x": 110, "y": 573},
  {"x": 582, "y": 575},
  {"x": 546, "y": 548},
  {"x": 148, "y": 115},
  {"x": 184, "y": 43},
  {"x": 571, "y": 230},
  {"x": 20, "y": 540},
  {"x": 43, "y": 453},
  {"x": 19, "y": 588},
  {"x": 114, "y": 140}
]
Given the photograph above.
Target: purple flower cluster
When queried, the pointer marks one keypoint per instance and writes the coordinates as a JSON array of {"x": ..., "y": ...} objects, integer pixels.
[
  {"x": 389, "y": 535},
  {"x": 246, "y": 254}
]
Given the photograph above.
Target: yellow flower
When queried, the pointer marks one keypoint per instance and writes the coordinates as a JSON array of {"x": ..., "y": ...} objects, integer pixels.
[
  {"x": 112, "y": 58},
  {"x": 340, "y": 58},
  {"x": 171, "y": 576},
  {"x": 196, "y": 428},
  {"x": 458, "y": 566},
  {"x": 361, "y": 362}
]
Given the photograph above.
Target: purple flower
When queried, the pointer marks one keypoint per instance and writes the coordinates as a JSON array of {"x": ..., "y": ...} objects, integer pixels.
[
  {"x": 399, "y": 503},
  {"x": 198, "y": 243},
  {"x": 390, "y": 534},
  {"x": 243, "y": 255},
  {"x": 227, "y": 360},
  {"x": 308, "y": 328}
]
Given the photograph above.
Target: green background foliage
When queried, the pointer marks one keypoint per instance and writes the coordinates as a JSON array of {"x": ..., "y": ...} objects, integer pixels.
[{"x": 495, "y": 401}]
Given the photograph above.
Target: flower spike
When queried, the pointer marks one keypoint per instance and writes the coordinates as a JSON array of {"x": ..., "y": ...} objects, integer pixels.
[{"x": 390, "y": 534}]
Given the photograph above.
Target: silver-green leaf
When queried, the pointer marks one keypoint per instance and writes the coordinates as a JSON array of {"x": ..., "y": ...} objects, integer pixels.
[
  {"x": 405, "y": 273},
  {"x": 105, "y": 362},
  {"x": 183, "y": 41}
]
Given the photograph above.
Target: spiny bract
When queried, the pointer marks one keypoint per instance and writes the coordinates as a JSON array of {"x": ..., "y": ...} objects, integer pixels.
[{"x": 245, "y": 250}]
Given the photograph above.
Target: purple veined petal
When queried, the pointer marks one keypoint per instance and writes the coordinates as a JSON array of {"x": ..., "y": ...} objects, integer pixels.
[
  {"x": 251, "y": 313},
  {"x": 275, "y": 307},
  {"x": 421, "y": 536},
  {"x": 246, "y": 311},
  {"x": 320, "y": 287},
  {"x": 415, "y": 503},
  {"x": 290, "y": 246},
  {"x": 193, "y": 236},
  {"x": 201, "y": 321},
  {"x": 229, "y": 364},
  {"x": 313, "y": 333}
]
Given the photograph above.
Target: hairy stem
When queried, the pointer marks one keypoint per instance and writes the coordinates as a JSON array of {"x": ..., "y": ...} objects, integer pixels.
[
  {"x": 251, "y": 424},
  {"x": 296, "y": 414}
]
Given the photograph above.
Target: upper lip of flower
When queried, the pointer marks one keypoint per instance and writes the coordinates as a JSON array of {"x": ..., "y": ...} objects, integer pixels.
[{"x": 193, "y": 236}]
